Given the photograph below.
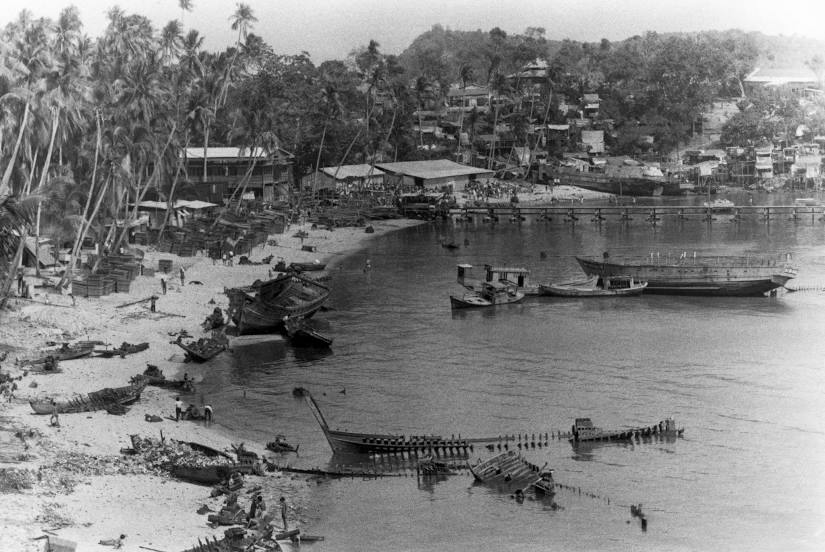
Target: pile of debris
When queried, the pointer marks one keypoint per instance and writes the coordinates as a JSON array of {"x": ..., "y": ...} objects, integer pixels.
[{"x": 163, "y": 455}]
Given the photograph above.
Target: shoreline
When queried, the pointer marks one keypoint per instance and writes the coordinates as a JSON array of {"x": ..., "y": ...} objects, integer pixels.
[{"x": 76, "y": 474}]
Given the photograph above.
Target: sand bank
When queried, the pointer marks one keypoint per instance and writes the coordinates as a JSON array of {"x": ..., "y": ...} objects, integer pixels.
[{"x": 77, "y": 485}]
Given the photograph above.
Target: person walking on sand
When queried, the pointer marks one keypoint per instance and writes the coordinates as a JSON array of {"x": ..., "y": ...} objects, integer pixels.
[
  {"x": 283, "y": 511},
  {"x": 182, "y": 275},
  {"x": 152, "y": 300},
  {"x": 178, "y": 408},
  {"x": 163, "y": 285}
]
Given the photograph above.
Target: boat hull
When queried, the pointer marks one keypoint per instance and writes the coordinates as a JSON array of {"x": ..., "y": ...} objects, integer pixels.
[
  {"x": 729, "y": 279},
  {"x": 292, "y": 297},
  {"x": 97, "y": 400},
  {"x": 587, "y": 289},
  {"x": 618, "y": 185}
]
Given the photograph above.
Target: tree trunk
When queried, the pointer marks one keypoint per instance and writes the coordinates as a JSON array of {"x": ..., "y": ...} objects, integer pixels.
[
  {"x": 4, "y": 185},
  {"x": 43, "y": 177},
  {"x": 318, "y": 158},
  {"x": 10, "y": 275},
  {"x": 171, "y": 201}
]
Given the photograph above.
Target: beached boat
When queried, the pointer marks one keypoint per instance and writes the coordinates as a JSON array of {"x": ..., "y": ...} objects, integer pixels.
[
  {"x": 517, "y": 276},
  {"x": 545, "y": 483},
  {"x": 722, "y": 276},
  {"x": 281, "y": 266},
  {"x": 65, "y": 352},
  {"x": 302, "y": 334},
  {"x": 491, "y": 294},
  {"x": 201, "y": 350},
  {"x": 583, "y": 430},
  {"x": 345, "y": 442},
  {"x": 123, "y": 350},
  {"x": 263, "y": 306},
  {"x": 213, "y": 474},
  {"x": 596, "y": 286},
  {"x": 97, "y": 400},
  {"x": 622, "y": 180},
  {"x": 508, "y": 467}
]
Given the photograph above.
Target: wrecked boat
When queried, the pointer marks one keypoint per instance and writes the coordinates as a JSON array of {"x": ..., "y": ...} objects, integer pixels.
[{"x": 97, "y": 400}]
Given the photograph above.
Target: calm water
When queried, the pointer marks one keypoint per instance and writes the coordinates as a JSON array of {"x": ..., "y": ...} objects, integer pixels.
[{"x": 743, "y": 375}]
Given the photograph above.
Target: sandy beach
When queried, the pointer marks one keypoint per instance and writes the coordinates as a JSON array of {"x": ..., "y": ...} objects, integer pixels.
[{"x": 79, "y": 487}]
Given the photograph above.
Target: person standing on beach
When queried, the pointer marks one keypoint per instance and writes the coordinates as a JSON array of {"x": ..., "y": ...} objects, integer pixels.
[
  {"x": 178, "y": 408},
  {"x": 163, "y": 285},
  {"x": 153, "y": 299},
  {"x": 182, "y": 275},
  {"x": 20, "y": 283},
  {"x": 283, "y": 511},
  {"x": 207, "y": 412}
]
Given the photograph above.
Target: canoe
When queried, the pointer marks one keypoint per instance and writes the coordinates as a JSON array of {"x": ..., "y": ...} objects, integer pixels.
[
  {"x": 64, "y": 353},
  {"x": 97, "y": 400},
  {"x": 597, "y": 286}
]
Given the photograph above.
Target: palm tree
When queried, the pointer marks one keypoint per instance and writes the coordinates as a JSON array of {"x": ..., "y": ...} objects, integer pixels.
[{"x": 171, "y": 41}]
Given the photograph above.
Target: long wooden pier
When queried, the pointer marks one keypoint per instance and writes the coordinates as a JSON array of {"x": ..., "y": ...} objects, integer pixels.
[{"x": 647, "y": 213}]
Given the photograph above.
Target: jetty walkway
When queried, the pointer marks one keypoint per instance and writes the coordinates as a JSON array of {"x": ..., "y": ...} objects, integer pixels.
[{"x": 647, "y": 213}]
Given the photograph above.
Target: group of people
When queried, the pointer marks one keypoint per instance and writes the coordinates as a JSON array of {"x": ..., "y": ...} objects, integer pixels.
[
  {"x": 192, "y": 412},
  {"x": 258, "y": 518}
]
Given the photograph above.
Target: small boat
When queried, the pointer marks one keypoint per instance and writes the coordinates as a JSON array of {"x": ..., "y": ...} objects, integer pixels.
[
  {"x": 281, "y": 266},
  {"x": 596, "y": 286},
  {"x": 505, "y": 468},
  {"x": 97, "y": 400},
  {"x": 211, "y": 452},
  {"x": 303, "y": 335},
  {"x": 211, "y": 475},
  {"x": 517, "y": 276},
  {"x": 428, "y": 465},
  {"x": 584, "y": 430},
  {"x": 201, "y": 350},
  {"x": 719, "y": 205},
  {"x": 491, "y": 293},
  {"x": 281, "y": 445},
  {"x": 65, "y": 352},
  {"x": 123, "y": 350},
  {"x": 545, "y": 483}
]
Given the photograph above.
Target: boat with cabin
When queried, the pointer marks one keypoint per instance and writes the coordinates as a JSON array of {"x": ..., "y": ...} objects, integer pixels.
[
  {"x": 595, "y": 286},
  {"x": 584, "y": 430},
  {"x": 683, "y": 275},
  {"x": 517, "y": 276},
  {"x": 490, "y": 294}
]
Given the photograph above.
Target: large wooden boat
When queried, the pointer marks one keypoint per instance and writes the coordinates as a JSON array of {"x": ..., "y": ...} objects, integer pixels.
[
  {"x": 65, "y": 352},
  {"x": 491, "y": 294},
  {"x": 123, "y": 350},
  {"x": 722, "y": 276},
  {"x": 281, "y": 266},
  {"x": 596, "y": 286},
  {"x": 638, "y": 180},
  {"x": 505, "y": 468},
  {"x": 346, "y": 442},
  {"x": 583, "y": 430},
  {"x": 97, "y": 400},
  {"x": 262, "y": 307}
]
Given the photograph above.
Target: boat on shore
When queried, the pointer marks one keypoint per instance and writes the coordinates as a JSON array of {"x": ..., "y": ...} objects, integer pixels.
[
  {"x": 281, "y": 266},
  {"x": 622, "y": 180},
  {"x": 65, "y": 352},
  {"x": 490, "y": 294},
  {"x": 717, "y": 276},
  {"x": 719, "y": 206},
  {"x": 280, "y": 444},
  {"x": 97, "y": 400},
  {"x": 583, "y": 430},
  {"x": 201, "y": 350},
  {"x": 509, "y": 467},
  {"x": 211, "y": 474},
  {"x": 596, "y": 286},
  {"x": 262, "y": 307},
  {"x": 123, "y": 350},
  {"x": 301, "y": 334}
]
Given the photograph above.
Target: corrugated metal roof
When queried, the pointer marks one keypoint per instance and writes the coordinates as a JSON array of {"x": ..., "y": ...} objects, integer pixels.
[
  {"x": 436, "y": 168},
  {"x": 352, "y": 171},
  {"x": 228, "y": 153}
]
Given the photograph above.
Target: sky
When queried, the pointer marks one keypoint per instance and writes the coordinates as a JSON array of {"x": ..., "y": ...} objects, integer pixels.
[{"x": 331, "y": 29}]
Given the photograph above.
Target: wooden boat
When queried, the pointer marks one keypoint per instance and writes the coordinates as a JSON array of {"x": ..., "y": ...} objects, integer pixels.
[
  {"x": 517, "y": 276},
  {"x": 281, "y": 266},
  {"x": 719, "y": 206},
  {"x": 123, "y": 350},
  {"x": 509, "y": 467},
  {"x": 97, "y": 400},
  {"x": 491, "y": 294},
  {"x": 280, "y": 445},
  {"x": 584, "y": 430},
  {"x": 636, "y": 180},
  {"x": 303, "y": 335},
  {"x": 201, "y": 350},
  {"x": 263, "y": 306},
  {"x": 683, "y": 275},
  {"x": 428, "y": 465},
  {"x": 205, "y": 449},
  {"x": 545, "y": 484},
  {"x": 211, "y": 475},
  {"x": 345, "y": 442},
  {"x": 596, "y": 286},
  {"x": 66, "y": 352}
]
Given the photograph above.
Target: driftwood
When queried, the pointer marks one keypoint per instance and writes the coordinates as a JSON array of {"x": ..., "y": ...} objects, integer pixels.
[{"x": 130, "y": 303}]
